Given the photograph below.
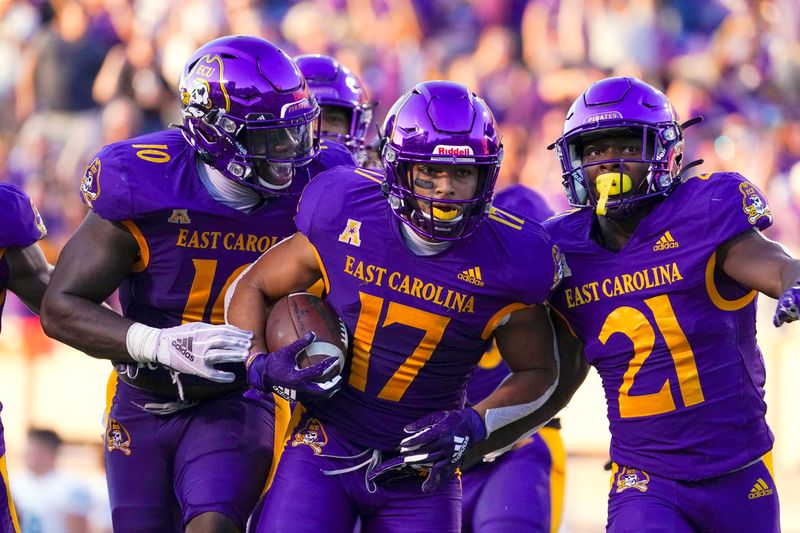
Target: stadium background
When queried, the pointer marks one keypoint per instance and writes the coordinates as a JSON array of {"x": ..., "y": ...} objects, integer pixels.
[{"x": 77, "y": 74}]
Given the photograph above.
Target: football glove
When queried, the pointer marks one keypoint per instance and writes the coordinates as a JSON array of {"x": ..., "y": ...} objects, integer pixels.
[
  {"x": 437, "y": 443},
  {"x": 192, "y": 348},
  {"x": 788, "y": 306},
  {"x": 278, "y": 372}
]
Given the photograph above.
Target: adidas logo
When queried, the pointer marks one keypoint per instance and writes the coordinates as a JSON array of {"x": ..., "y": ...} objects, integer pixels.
[
  {"x": 472, "y": 275},
  {"x": 184, "y": 346},
  {"x": 666, "y": 242},
  {"x": 759, "y": 490}
]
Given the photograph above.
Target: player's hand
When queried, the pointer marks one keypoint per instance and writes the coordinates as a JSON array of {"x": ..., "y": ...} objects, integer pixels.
[
  {"x": 196, "y": 347},
  {"x": 788, "y": 306},
  {"x": 439, "y": 441},
  {"x": 278, "y": 372}
]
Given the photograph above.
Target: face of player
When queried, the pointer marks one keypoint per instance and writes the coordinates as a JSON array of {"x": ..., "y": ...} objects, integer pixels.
[
  {"x": 335, "y": 119},
  {"x": 610, "y": 148},
  {"x": 445, "y": 182}
]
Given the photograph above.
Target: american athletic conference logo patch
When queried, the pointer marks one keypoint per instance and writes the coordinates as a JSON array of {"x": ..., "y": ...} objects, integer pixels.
[
  {"x": 117, "y": 437},
  {"x": 312, "y": 435},
  {"x": 630, "y": 478}
]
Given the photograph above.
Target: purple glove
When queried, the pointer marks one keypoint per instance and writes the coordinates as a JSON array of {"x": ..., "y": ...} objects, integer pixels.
[
  {"x": 788, "y": 306},
  {"x": 437, "y": 444},
  {"x": 278, "y": 372}
]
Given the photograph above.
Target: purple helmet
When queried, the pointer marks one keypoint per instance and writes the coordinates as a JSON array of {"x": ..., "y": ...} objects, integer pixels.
[
  {"x": 621, "y": 106},
  {"x": 335, "y": 85},
  {"x": 440, "y": 122},
  {"x": 248, "y": 111}
]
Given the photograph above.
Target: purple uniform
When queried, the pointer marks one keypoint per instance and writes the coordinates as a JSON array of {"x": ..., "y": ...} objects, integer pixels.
[
  {"x": 419, "y": 326},
  {"x": 191, "y": 250},
  {"x": 524, "y": 487},
  {"x": 673, "y": 339},
  {"x": 20, "y": 226}
]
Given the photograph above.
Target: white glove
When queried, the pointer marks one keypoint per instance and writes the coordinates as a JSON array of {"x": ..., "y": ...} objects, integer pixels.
[{"x": 192, "y": 348}]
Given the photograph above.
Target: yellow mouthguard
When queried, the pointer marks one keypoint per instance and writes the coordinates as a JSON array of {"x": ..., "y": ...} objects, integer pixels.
[
  {"x": 441, "y": 214},
  {"x": 608, "y": 185}
]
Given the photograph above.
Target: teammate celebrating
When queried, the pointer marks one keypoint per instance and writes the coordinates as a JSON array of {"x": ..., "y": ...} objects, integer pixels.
[
  {"x": 524, "y": 487},
  {"x": 664, "y": 276},
  {"x": 176, "y": 216},
  {"x": 346, "y": 110},
  {"x": 25, "y": 271},
  {"x": 424, "y": 273}
]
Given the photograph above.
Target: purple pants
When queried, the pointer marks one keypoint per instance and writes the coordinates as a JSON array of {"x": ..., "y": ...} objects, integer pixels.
[
  {"x": 744, "y": 500},
  {"x": 8, "y": 515},
  {"x": 163, "y": 470},
  {"x": 522, "y": 490},
  {"x": 307, "y": 493}
]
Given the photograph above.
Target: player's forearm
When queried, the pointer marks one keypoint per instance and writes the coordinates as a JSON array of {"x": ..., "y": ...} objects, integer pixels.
[
  {"x": 572, "y": 371},
  {"x": 520, "y": 388},
  {"x": 86, "y": 325},
  {"x": 247, "y": 308}
]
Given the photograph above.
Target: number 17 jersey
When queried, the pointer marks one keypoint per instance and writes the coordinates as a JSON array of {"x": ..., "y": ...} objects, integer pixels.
[{"x": 672, "y": 336}]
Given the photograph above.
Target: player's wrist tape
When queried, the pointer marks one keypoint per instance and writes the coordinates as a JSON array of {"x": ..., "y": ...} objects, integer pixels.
[{"x": 142, "y": 343}]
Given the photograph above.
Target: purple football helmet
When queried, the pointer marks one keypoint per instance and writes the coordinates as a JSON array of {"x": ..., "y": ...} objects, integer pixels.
[
  {"x": 443, "y": 123},
  {"x": 621, "y": 106},
  {"x": 334, "y": 85},
  {"x": 248, "y": 111}
]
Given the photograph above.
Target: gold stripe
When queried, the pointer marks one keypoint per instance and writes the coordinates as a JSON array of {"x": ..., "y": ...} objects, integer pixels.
[
  {"x": 111, "y": 391},
  {"x": 716, "y": 298},
  {"x": 317, "y": 289},
  {"x": 326, "y": 282},
  {"x": 767, "y": 459},
  {"x": 668, "y": 235},
  {"x": 144, "y": 250},
  {"x": 504, "y": 221},
  {"x": 360, "y": 172},
  {"x": 558, "y": 468},
  {"x": 507, "y": 215},
  {"x": 11, "y": 509},
  {"x": 510, "y": 308},
  {"x": 478, "y": 272},
  {"x": 614, "y": 472},
  {"x": 286, "y": 418},
  {"x": 375, "y": 172}
]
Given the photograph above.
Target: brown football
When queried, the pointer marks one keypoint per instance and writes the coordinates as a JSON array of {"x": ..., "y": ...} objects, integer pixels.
[{"x": 298, "y": 313}]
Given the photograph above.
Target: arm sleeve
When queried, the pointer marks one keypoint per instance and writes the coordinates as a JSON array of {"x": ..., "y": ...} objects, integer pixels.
[
  {"x": 21, "y": 224},
  {"x": 735, "y": 206},
  {"x": 106, "y": 187}
]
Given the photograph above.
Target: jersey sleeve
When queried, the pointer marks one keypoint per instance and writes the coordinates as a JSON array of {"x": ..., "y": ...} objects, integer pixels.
[
  {"x": 317, "y": 203},
  {"x": 735, "y": 206},
  {"x": 106, "y": 186},
  {"x": 21, "y": 224},
  {"x": 333, "y": 154}
]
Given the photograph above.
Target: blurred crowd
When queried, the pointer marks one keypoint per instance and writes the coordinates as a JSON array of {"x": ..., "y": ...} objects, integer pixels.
[{"x": 77, "y": 74}]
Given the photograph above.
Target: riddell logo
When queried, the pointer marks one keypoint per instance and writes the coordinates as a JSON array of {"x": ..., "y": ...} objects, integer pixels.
[
  {"x": 184, "y": 346},
  {"x": 444, "y": 149},
  {"x": 759, "y": 490},
  {"x": 666, "y": 242}
]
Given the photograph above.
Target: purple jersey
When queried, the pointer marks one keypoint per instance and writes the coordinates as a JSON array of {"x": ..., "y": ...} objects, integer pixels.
[
  {"x": 191, "y": 246},
  {"x": 419, "y": 324},
  {"x": 672, "y": 337},
  {"x": 20, "y": 226},
  {"x": 491, "y": 371}
]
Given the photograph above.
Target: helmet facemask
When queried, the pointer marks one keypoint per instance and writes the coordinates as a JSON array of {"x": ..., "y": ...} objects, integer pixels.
[
  {"x": 614, "y": 194},
  {"x": 434, "y": 218}
]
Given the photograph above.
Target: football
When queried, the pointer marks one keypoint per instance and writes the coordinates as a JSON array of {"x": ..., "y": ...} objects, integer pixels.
[{"x": 298, "y": 313}]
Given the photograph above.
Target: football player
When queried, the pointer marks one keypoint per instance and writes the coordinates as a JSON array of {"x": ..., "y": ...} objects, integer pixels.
[
  {"x": 523, "y": 488},
  {"x": 424, "y": 273},
  {"x": 664, "y": 273},
  {"x": 25, "y": 271},
  {"x": 175, "y": 217},
  {"x": 346, "y": 110}
]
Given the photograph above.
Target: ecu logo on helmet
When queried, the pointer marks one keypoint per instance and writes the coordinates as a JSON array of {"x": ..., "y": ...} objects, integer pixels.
[{"x": 196, "y": 89}]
